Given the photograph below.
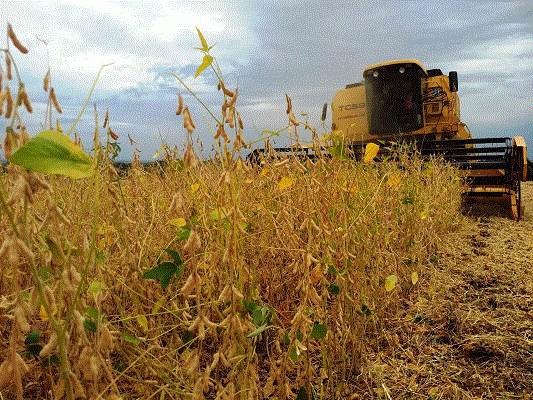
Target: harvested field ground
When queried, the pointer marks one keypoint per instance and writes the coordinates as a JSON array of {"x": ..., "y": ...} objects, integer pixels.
[{"x": 468, "y": 333}]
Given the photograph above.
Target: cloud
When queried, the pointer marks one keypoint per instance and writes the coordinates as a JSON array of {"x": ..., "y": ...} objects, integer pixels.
[{"x": 308, "y": 49}]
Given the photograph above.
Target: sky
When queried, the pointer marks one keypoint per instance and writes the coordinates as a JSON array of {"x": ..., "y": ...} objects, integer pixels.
[{"x": 306, "y": 49}]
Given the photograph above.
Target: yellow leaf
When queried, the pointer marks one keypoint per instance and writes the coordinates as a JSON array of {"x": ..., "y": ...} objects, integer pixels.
[
  {"x": 371, "y": 151},
  {"x": 156, "y": 155},
  {"x": 413, "y": 367},
  {"x": 257, "y": 206},
  {"x": 265, "y": 171},
  {"x": 219, "y": 213},
  {"x": 179, "y": 222},
  {"x": 325, "y": 138},
  {"x": 390, "y": 282},
  {"x": 105, "y": 229},
  {"x": 102, "y": 229},
  {"x": 393, "y": 180},
  {"x": 44, "y": 315},
  {"x": 424, "y": 214},
  {"x": 414, "y": 277},
  {"x": 158, "y": 304},
  {"x": 195, "y": 187},
  {"x": 351, "y": 188},
  {"x": 143, "y": 322},
  {"x": 285, "y": 183},
  {"x": 248, "y": 181},
  {"x": 205, "y": 63},
  {"x": 205, "y": 47}
]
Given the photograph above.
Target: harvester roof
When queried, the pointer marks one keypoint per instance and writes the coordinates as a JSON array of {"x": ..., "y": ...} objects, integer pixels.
[{"x": 396, "y": 62}]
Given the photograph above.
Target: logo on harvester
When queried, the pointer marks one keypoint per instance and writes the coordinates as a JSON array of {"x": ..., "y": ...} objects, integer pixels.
[{"x": 348, "y": 107}]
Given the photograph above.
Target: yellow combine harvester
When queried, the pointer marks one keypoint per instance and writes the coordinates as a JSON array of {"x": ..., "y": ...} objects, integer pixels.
[{"x": 401, "y": 101}]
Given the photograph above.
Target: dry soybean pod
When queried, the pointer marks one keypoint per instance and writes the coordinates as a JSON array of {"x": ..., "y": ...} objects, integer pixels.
[
  {"x": 14, "y": 39},
  {"x": 180, "y": 105},
  {"x": 9, "y": 103},
  {"x": 8, "y": 66},
  {"x": 46, "y": 81},
  {"x": 54, "y": 100},
  {"x": 25, "y": 100}
]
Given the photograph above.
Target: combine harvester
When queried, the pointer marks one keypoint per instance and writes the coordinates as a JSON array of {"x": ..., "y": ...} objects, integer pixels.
[{"x": 401, "y": 101}]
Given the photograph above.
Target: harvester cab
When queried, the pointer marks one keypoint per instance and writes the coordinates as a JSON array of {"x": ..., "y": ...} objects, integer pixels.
[
  {"x": 399, "y": 101},
  {"x": 394, "y": 98}
]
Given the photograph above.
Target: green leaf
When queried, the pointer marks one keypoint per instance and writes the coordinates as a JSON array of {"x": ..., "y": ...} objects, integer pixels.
[
  {"x": 409, "y": 199},
  {"x": 57, "y": 255},
  {"x": 293, "y": 354},
  {"x": 257, "y": 331},
  {"x": 205, "y": 47},
  {"x": 365, "y": 310},
  {"x": 258, "y": 316},
  {"x": 250, "y": 305},
  {"x": 45, "y": 272},
  {"x": 175, "y": 256},
  {"x": 334, "y": 289},
  {"x": 302, "y": 394},
  {"x": 187, "y": 337},
  {"x": 338, "y": 151},
  {"x": 96, "y": 287},
  {"x": 176, "y": 165},
  {"x": 194, "y": 220},
  {"x": 319, "y": 331},
  {"x": 99, "y": 257},
  {"x": 92, "y": 312},
  {"x": 183, "y": 233},
  {"x": 90, "y": 325},
  {"x": 162, "y": 272},
  {"x": 128, "y": 337},
  {"x": 32, "y": 343},
  {"x": 205, "y": 63},
  {"x": 32, "y": 338},
  {"x": 286, "y": 339},
  {"x": 51, "y": 152}
]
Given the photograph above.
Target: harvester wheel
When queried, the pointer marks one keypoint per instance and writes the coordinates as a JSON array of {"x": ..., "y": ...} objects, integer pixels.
[
  {"x": 519, "y": 200},
  {"x": 516, "y": 201}
]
